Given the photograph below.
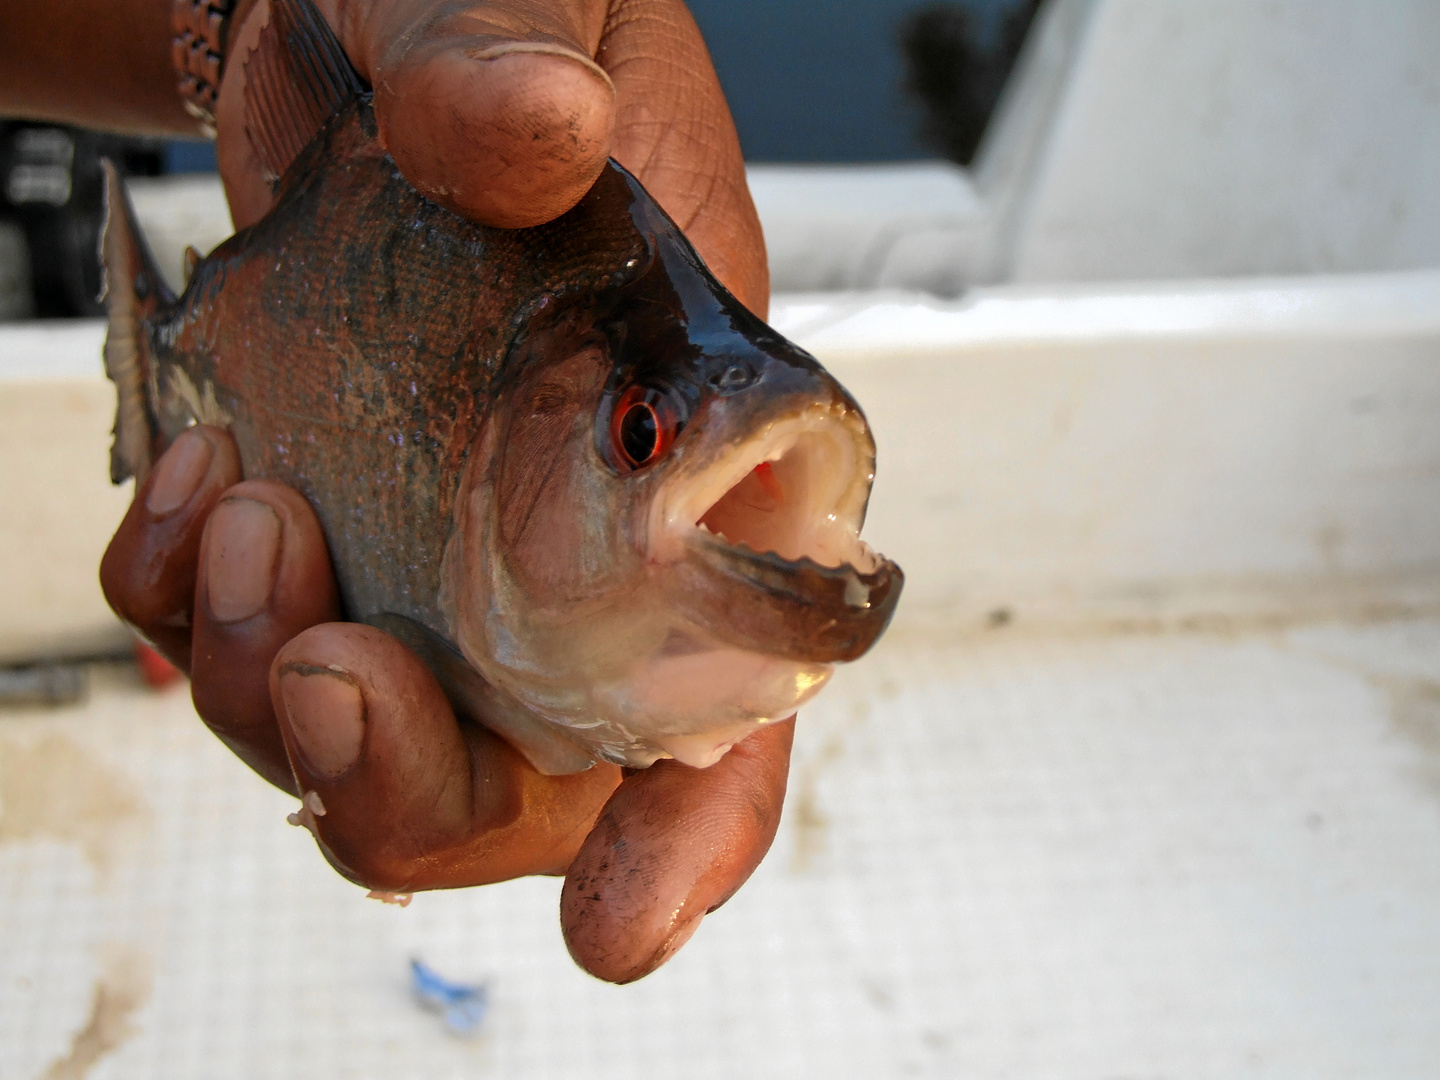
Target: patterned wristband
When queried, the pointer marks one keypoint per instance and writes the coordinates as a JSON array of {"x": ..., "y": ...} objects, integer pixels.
[{"x": 202, "y": 28}]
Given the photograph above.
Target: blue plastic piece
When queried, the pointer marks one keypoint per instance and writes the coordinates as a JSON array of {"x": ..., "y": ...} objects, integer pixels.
[{"x": 462, "y": 1006}]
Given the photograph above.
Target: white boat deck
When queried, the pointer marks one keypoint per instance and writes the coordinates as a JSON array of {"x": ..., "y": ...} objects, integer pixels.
[{"x": 1003, "y": 855}]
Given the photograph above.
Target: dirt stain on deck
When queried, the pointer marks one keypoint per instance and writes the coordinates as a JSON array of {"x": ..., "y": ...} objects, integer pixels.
[
  {"x": 121, "y": 991},
  {"x": 1415, "y": 713},
  {"x": 811, "y": 823},
  {"x": 51, "y": 789}
]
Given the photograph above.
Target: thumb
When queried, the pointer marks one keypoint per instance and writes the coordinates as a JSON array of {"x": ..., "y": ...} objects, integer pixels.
[
  {"x": 504, "y": 119},
  {"x": 496, "y": 110}
]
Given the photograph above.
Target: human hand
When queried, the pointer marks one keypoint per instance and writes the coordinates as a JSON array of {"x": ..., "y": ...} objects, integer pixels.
[
  {"x": 233, "y": 583},
  {"x": 505, "y": 111}
]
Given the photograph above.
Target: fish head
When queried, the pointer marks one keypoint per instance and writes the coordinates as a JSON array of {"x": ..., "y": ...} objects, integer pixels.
[{"x": 658, "y": 543}]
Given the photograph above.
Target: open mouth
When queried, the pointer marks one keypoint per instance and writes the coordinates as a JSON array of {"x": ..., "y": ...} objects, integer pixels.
[
  {"x": 795, "y": 492},
  {"x": 763, "y": 544}
]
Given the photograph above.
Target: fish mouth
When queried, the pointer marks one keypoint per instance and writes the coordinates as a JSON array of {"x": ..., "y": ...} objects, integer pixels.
[{"x": 764, "y": 540}]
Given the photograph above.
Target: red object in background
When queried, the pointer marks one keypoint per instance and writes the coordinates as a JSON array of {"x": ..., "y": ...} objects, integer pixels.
[{"x": 157, "y": 670}]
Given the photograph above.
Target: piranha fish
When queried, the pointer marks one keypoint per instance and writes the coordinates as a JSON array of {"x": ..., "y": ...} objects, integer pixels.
[{"x": 615, "y": 513}]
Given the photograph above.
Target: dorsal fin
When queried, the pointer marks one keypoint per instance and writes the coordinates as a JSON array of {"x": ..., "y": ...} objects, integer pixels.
[{"x": 296, "y": 79}]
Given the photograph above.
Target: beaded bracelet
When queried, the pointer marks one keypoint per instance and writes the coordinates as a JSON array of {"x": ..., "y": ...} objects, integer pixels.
[{"x": 197, "y": 50}]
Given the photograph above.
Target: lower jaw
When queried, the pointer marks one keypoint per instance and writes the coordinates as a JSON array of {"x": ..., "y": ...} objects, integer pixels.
[
  {"x": 691, "y": 707},
  {"x": 695, "y": 706},
  {"x": 803, "y": 613}
]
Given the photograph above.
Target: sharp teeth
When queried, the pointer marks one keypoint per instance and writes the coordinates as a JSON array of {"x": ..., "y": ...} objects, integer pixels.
[{"x": 703, "y": 527}]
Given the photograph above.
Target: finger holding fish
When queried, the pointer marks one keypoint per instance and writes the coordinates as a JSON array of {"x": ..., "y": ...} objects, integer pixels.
[
  {"x": 402, "y": 797},
  {"x": 529, "y": 113},
  {"x": 148, "y": 571},
  {"x": 672, "y": 845},
  {"x": 495, "y": 110},
  {"x": 219, "y": 574},
  {"x": 264, "y": 576},
  {"x": 413, "y": 798}
]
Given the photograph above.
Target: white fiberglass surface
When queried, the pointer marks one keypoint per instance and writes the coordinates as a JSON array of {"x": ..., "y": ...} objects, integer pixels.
[
  {"x": 1347, "y": 306},
  {"x": 1002, "y": 856}
]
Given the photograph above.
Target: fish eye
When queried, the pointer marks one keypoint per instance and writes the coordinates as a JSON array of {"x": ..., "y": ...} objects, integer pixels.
[
  {"x": 642, "y": 427},
  {"x": 639, "y": 432}
]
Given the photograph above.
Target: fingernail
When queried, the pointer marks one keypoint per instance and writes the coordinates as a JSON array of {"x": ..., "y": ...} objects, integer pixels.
[
  {"x": 242, "y": 547},
  {"x": 178, "y": 473},
  {"x": 327, "y": 714}
]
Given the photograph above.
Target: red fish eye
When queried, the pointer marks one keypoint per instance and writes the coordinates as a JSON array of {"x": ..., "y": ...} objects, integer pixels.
[
  {"x": 641, "y": 429},
  {"x": 639, "y": 432}
]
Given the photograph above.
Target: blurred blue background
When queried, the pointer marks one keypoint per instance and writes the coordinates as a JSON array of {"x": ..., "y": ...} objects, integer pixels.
[
  {"x": 807, "y": 80},
  {"x": 824, "y": 80},
  {"x": 190, "y": 157}
]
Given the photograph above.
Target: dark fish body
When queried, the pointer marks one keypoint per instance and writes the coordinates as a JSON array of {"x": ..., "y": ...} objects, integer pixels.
[
  {"x": 614, "y": 511},
  {"x": 293, "y": 322}
]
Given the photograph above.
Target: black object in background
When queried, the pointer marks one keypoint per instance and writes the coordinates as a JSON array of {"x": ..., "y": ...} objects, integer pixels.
[
  {"x": 50, "y": 188},
  {"x": 956, "y": 65},
  {"x": 42, "y": 684},
  {"x": 827, "y": 80}
]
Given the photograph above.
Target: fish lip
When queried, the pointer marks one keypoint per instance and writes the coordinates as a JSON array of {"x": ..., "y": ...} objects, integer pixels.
[{"x": 796, "y": 609}]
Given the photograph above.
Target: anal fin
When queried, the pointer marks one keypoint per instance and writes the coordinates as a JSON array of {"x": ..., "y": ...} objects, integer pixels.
[{"x": 296, "y": 79}]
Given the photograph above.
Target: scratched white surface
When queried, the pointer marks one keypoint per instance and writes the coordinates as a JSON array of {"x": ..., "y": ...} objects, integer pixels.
[{"x": 1002, "y": 857}]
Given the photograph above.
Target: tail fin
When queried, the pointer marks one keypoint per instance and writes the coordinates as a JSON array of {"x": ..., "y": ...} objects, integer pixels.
[{"x": 134, "y": 291}]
